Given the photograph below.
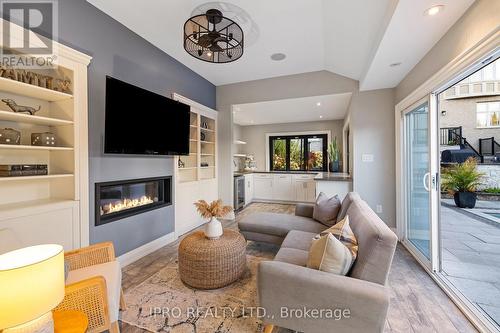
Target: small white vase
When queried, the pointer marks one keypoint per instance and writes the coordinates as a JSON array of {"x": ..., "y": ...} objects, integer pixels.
[{"x": 213, "y": 229}]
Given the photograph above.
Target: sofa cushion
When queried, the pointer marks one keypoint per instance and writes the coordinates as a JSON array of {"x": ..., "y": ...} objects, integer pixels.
[
  {"x": 350, "y": 197},
  {"x": 278, "y": 224},
  {"x": 343, "y": 232},
  {"x": 328, "y": 254},
  {"x": 292, "y": 256},
  {"x": 259, "y": 237},
  {"x": 112, "y": 273},
  {"x": 300, "y": 240},
  {"x": 377, "y": 243},
  {"x": 326, "y": 209}
]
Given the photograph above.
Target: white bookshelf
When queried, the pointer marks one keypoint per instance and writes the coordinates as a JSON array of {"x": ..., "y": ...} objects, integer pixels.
[
  {"x": 202, "y": 148},
  {"x": 48, "y": 208},
  {"x": 194, "y": 181}
]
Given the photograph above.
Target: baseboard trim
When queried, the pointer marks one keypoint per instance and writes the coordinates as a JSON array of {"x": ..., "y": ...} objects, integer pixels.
[{"x": 142, "y": 251}]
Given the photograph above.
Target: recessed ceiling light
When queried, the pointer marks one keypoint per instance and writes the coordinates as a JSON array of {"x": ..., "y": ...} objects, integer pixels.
[
  {"x": 318, "y": 104},
  {"x": 434, "y": 10},
  {"x": 209, "y": 54},
  {"x": 278, "y": 56},
  {"x": 395, "y": 64},
  {"x": 320, "y": 117}
]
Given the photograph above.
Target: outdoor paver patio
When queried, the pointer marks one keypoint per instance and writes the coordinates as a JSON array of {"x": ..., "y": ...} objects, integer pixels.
[{"x": 471, "y": 255}]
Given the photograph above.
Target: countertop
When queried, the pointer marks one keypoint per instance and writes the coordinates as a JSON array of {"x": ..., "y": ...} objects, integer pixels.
[
  {"x": 333, "y": 176},
  {"x": 320, "y": 176}
]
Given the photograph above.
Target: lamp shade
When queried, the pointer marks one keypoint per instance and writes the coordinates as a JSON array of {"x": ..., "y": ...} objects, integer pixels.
[{"x": 31, "y": 283}]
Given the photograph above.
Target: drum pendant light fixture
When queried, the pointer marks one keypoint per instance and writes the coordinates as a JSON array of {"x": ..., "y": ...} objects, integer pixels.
[{"x": 213, "y": 38}]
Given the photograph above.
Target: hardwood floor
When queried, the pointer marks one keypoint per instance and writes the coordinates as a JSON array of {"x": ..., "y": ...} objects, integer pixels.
[{"x": 417, "y": 303}]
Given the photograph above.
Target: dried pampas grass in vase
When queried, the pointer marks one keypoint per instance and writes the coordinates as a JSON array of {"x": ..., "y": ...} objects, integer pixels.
[{"x": 212, "y": 212}]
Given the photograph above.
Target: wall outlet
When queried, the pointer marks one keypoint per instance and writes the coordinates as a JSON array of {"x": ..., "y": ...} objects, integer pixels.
[
  {"x": 367, "y": 158},
  {"x": 379, "y": 209}
]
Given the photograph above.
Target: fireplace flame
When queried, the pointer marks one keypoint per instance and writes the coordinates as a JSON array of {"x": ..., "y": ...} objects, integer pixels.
[{"x": 125, "y": 204}]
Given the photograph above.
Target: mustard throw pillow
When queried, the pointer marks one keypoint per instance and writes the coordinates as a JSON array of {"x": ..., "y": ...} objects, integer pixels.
[
  {"x": 334, "y": 250},
  {"x": 328, "y": 254},
  {"x": 343, "y": 232}
]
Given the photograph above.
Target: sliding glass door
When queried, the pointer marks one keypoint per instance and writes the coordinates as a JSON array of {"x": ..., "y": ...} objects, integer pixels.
[
  {"x": 416, "y": 146},
  {"x": 453, "y": 134}
]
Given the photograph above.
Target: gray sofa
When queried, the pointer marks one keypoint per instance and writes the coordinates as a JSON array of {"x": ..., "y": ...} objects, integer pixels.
[{"x": 285, "y": 284}]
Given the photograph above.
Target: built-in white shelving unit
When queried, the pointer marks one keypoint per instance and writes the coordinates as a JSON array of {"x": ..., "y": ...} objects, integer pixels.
[
  {"x": 198, "y": 178},
  {"x": 49, "y": 208}
]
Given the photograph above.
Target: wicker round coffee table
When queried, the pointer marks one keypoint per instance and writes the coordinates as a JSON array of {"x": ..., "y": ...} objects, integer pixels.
[{"x": 212, "y": 263}]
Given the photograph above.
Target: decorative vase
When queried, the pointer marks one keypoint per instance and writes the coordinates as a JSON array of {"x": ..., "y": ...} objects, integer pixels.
[
  {"x": 334, "y": 166},
  {"x": 465, "y": 199},
  {"x": 213, "y": 229}
]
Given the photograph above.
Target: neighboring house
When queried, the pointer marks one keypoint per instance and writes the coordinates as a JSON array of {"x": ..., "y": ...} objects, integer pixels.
[{"x": 474, "y": 105}]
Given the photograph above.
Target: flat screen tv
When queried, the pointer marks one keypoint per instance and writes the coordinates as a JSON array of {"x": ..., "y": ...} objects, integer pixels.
[{"x": 140, "y": 122}]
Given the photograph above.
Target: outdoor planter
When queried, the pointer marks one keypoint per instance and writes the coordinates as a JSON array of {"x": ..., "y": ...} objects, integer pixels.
[{"x": 465, "y": 199}]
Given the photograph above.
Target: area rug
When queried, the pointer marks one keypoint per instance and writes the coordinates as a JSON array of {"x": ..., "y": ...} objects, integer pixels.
[{"x": 163, "y": 303}]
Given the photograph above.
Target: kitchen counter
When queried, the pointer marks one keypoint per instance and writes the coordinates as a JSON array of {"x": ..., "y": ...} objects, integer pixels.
[
  {"x": 333, "y": 176},
  {"x": 320, "y": 176}
]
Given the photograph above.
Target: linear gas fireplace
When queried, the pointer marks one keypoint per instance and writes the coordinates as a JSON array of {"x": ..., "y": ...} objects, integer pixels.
[{"x": 119, "y": 199}]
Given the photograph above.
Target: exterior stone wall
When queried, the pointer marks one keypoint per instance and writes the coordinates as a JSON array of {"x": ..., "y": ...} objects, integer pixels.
[{"x": 492, "y": 175}]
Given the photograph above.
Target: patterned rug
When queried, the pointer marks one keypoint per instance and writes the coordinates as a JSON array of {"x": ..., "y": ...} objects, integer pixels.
[{"x": 163, "y": 303}]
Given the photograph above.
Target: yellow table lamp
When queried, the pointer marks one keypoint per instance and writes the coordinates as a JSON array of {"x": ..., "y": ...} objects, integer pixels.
[{"x": 31, "y": 285}]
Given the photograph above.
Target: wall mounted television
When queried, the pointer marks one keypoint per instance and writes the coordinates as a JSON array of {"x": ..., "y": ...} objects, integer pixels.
[{"x": 140, "y": 122}]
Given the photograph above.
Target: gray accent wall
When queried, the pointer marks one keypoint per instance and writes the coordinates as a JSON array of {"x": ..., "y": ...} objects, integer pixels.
[{"x": 121, "y": 53}]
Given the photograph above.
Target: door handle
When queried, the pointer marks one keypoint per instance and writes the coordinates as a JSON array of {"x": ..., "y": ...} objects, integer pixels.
[{"x": 426, "y": 181}]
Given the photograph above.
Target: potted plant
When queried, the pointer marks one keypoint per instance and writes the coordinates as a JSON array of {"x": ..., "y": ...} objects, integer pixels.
[
  {"x": 334, "y": 156},
  {"x": 461, "y": 180},
  {"x": 212, "y": 212}
]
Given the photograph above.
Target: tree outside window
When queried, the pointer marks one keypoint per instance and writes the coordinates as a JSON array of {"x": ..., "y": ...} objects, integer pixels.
[{"x": 298, "y": 153}]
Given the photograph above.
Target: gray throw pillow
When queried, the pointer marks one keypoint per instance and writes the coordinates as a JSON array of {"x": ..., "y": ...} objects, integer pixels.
[{"x": 326, "y": 209}]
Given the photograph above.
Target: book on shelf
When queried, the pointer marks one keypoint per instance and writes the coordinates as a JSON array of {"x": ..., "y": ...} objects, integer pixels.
[{"x": 19, "y": 170}]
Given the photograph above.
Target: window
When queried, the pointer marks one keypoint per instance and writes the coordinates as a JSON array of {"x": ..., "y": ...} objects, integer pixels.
[
  {"x": 298, "y": 153},
  {"x": 488, "y": 114}
]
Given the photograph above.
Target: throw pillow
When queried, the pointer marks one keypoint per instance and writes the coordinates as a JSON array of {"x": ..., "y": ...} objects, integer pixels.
[
  {"x": 343, "y": 232},
  {"x": 328, "y": 254},
  {"x": 326, "y": 209}
]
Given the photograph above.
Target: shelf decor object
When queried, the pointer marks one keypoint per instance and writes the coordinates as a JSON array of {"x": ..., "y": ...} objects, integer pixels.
[
  {"x": 31, "y": 285},
  {"x": 9, "y": 136},
  {"x": 213, "y": 38},
  {"x": 43, "y": 139},
  {"x": 20, "y": 108}
]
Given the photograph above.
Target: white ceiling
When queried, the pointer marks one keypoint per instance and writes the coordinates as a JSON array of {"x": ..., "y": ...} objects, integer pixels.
[
  {"x": 357, "y": 39},
  {"x": 407, "y": 39},
  {"x": 293, "y": 110}
]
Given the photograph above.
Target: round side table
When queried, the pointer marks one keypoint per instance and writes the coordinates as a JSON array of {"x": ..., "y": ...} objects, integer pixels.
[
  {"x": 70, "y": 321},
  {"x": 212, "y": 263}
]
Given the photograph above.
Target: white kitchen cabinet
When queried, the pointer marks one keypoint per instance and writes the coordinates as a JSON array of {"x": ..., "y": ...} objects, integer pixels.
[
  {"x": 249, "y": 191},
  {"x": 282, "y": 188},
  {"x": 304, "y": 188},
  {"x": 263, "y": 186}
]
